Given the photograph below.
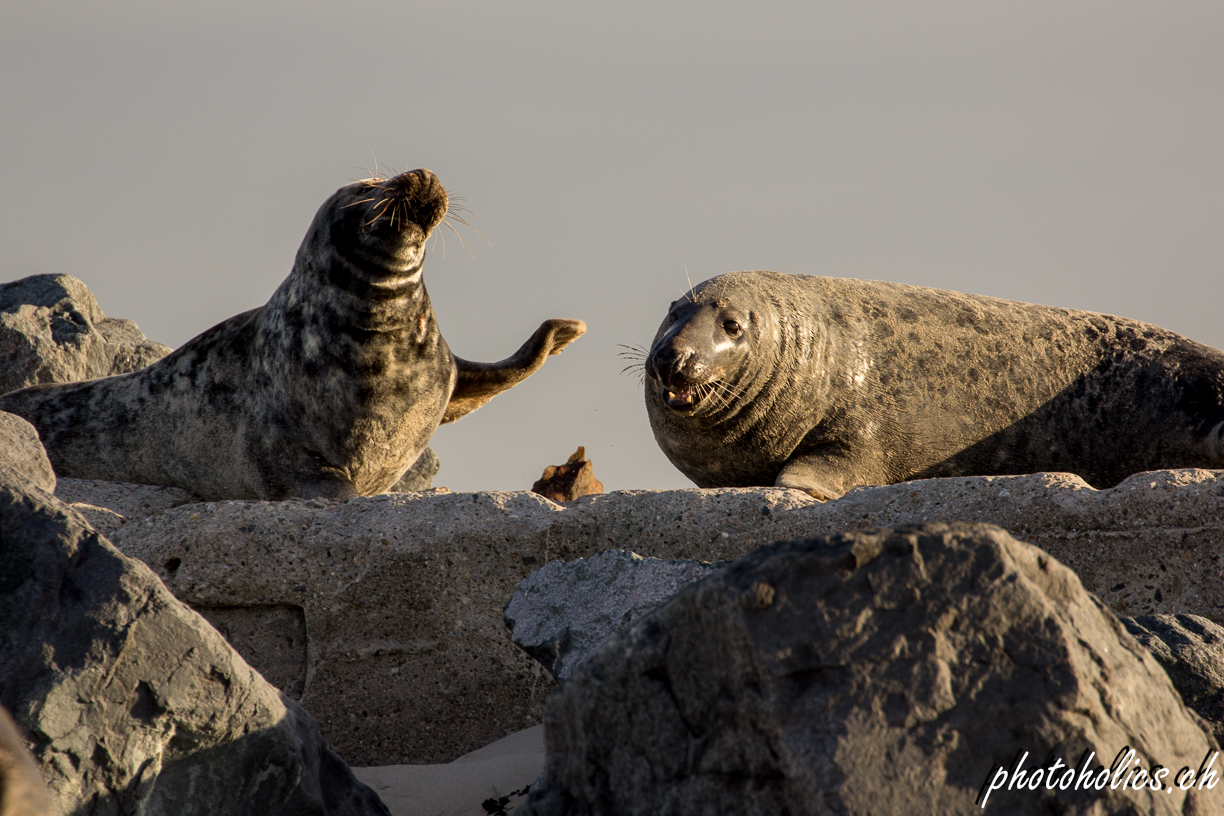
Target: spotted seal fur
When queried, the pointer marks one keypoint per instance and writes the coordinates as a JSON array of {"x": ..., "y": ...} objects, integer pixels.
[
  {"x": 332, "y": 389},
  {"x": 760, "y": 378}
]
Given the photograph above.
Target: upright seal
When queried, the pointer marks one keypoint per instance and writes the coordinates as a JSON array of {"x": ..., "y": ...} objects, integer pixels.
[
  {"x": 330, "y": 390},
  {"x": 758, "y": 378}
]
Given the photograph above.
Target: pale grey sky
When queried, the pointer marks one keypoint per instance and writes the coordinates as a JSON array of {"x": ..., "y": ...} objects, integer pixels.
[{"x": 172, "y": 154}]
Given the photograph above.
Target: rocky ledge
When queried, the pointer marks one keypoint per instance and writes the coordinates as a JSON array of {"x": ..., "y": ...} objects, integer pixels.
[{"x": 382, "y": 611}]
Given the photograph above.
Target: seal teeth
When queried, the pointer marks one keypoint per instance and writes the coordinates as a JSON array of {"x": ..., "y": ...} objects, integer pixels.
[{"x": 684, "y": 398}]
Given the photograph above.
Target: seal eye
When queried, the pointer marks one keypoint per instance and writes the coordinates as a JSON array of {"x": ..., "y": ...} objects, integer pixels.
[{"x": 732, "y": 328}]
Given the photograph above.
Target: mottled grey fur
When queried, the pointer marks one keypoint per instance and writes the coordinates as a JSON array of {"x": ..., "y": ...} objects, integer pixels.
[
  {"x": 759, "y": 378},
  {"x": 332, "y": 389}
]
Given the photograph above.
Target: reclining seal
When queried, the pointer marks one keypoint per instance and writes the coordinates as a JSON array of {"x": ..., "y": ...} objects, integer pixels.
[
  {"x": 332, "y": 389},
  {"x": 821, "y": 384}
]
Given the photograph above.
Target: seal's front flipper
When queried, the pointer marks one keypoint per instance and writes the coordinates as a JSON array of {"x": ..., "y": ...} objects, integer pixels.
[
  {"x": 305, "y": 475},
  {"x": 820, "y": 476},
  {"x": 478, "y": 383}
]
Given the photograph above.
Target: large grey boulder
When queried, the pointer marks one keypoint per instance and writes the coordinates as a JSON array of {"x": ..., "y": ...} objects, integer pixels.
[
  {"x": 904, "y": 671},
  {"x": 53, "y": 331},
  {"x": 131, "y": 702},
  {"x": 564, "y": 611},
  {"x": 1191, "y": 650}
]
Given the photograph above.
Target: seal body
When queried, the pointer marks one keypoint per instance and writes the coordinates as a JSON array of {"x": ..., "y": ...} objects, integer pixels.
[
  {"x": 332, "y": 389},
  {"x": 759, "y": 378}
]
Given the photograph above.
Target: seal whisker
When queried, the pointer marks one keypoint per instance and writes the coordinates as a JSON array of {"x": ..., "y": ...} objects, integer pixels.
[
  {"x": 375, "y": 218},
  {"x": 632, "y": 352},
  {"x": 452, "y": 217},
  {"x": 451, "y": 227},
  {"x": 440, "y": 235},
  {"x": 727, "y": 393}
]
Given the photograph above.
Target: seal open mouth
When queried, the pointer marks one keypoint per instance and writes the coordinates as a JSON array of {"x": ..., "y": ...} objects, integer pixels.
[{"x": 683, "y": 400}]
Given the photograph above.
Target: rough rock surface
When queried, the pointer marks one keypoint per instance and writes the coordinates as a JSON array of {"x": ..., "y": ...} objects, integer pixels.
[
  {"x": 22, "y": 792},
  {"x": 383, "y": 611},
  {"x": 1191, "y": 650},
  {"x": 887, "y": 672},
  {"x": 53, "y": 331},
  {"x": 332, "y": 598},
  {"x": 107, "y": 506},
  {"x": 564, "y": 611},
  {"x": 573, "y": 480},
  {"x": 133, "y": 703},
  {"x": 22, "y": 455}
]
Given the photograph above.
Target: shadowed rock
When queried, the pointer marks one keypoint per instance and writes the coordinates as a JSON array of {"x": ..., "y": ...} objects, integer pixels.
[
  {"x": 563, "y": 612},
  {"x": 1191, "y": 650},
  {"x": 132, "y": 702},
  {"x": 884, "y": 672}
]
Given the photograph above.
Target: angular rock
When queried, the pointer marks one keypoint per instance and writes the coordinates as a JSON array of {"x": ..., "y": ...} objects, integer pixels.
[
  {"x": 22, "y": 455},
  {"x": 53, "y": 331},
  {"x": 571, "y": 481},
  {"x": 1191, "y": 650},
  {"x": 22, "y": 792},
  {"x": 564, "y": 611},
  {"x": 132, "y": 702},
  {"x": 885, "y": 672}
]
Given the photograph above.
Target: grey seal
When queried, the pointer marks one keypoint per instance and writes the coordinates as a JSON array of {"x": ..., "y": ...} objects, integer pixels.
[
  {"x": 821, "y": 384},
  {"x": 332, "y": 389}
]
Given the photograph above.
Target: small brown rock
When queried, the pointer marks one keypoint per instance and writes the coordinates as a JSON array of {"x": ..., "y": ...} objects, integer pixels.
[{"x": 564, "y": 483}]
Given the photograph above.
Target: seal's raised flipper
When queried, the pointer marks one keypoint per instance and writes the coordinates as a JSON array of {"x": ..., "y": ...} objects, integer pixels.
[{"x": 478, "y": 383}]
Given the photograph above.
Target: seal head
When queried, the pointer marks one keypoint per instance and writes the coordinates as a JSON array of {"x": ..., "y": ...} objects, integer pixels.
[{"x": 705, "y": 347}]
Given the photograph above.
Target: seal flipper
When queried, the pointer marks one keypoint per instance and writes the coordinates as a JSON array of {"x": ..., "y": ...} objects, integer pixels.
[
  {"x": 308, "y": 481},
  {"x": 822, "y": 476},
  {"x": 477, "y": 383}
]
